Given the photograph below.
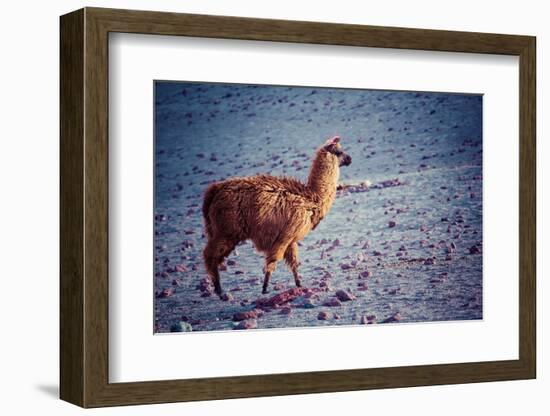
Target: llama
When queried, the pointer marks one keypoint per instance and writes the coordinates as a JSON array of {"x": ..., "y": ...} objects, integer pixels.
[{"x": 273, "y": 212}]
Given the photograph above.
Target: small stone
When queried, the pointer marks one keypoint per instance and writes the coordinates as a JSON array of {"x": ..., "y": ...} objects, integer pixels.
[
  {"x": 429, "y": 262},
  {"x": 181, "y": 326},
  {"x": 392, "y": 224},
  {"x": 166, "y": 293},
  {"x": 286, "y": 310},
  {"x": 365, "y": 274},
  {"x": 344, "y": 296},
  {"x": 323, "y": 316},
  {"x": 231, "y": 262},
  {"x": 346, "y": 266},
  {"x": 333, "y": 302},
  {"x": 227, "y": 297},
  {"x": 242, "y": 316},
  {"x": 475, "y": 250},
  {"x": 394, "y": 318},
  {"x": 248, "y": 324}
]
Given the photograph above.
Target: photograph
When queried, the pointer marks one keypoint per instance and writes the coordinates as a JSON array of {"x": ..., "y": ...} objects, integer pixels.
[{"x": 280, "y": 207}]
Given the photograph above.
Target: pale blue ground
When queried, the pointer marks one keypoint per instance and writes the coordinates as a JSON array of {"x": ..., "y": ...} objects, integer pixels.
[{"x": 430, "y": 141}]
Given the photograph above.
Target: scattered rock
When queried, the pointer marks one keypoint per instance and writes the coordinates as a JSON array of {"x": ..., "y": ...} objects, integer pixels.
[
  {"x": 346, "y": 266},
  {"x": 283, "y": 297},
  {"x": 344, "y": 296},
  {"x": 394, "y": 318},
  {"x": 286, "y": 310},
  {"x": 181, "y": 326},
  {"x": 392, "y": 224},
  {"x": 323, "y": 316},
  {"x": 227, "y": 297},
  {"x": 332, "y": 302},
  {"x": 475, "y": 250},
  {"x": 166, "y": 293},
  {"x": 242, "y": 316},
  {"x": 248, "y": 324}
]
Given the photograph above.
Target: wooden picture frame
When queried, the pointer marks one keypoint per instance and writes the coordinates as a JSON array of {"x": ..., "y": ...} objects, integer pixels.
[{"x": 84, "y": 207}]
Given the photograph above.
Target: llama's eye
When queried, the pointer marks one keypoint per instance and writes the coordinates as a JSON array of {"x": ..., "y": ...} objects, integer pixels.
[{"x": 337, "y": 152}]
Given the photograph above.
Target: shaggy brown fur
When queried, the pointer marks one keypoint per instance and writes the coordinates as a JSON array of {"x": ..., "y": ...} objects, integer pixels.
[{"x": 274, "y": 212}]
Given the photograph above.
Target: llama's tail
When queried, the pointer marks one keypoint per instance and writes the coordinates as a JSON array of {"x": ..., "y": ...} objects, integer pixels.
[{"x": 209, "y": 196}]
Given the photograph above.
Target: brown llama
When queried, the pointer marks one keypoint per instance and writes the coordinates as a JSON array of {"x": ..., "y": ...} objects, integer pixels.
[{"x": 274, "y": 212}]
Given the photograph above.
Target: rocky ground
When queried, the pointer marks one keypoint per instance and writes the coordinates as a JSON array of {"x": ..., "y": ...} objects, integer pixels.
[{"x": 402, "y": 243}]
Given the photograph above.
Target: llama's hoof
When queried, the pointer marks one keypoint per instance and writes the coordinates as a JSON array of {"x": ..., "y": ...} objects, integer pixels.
[
  {"x": 298, "y": 283},
  {"x": 265, "y": 291}
]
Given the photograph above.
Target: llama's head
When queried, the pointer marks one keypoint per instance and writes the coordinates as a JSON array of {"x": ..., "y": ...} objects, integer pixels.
[{"x": 334, "y": 149}]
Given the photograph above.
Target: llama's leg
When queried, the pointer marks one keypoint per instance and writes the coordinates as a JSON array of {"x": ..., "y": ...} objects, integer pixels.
[
  {"x": 271, "y": 260},
  {"x": 291, "y": 258},
  {"x": 214, "y": 253}
]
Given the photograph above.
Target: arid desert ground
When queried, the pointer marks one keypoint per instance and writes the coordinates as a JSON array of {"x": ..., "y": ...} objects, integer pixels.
[{"x": 402, "y": 242}]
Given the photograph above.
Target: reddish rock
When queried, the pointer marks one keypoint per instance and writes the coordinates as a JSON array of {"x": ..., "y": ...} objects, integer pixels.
[
  {"x": 323, "y": 316},
  {"x": 365, "y": 274},
  {"x": 287, "y": 310},
  {"x": 475, "y": 250},
  {"x": 166, "y": 293},
  {"x": 249, "y": 324},
  {"x": 333, "y": 302},
  {"x": 344, "y": 296},
  {"x": 242, "y": 316},
  {"x": 283, "y": 297},
  {"x": 394, "y": 318},
  {"x": 226, "y": 297}
]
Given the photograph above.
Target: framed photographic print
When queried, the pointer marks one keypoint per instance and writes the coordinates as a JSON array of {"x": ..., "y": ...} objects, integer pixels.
[{"x": 279, "y": 207}]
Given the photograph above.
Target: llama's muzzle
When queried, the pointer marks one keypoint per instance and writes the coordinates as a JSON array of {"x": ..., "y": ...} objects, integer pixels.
[{"x": 345, "y": 160}]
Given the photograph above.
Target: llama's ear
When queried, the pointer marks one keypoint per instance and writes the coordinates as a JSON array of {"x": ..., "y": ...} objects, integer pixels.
[{"x": 332, "y": 141}]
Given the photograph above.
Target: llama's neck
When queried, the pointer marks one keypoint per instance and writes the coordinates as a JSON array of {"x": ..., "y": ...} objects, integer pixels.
[{"x": 322, "y": 180}]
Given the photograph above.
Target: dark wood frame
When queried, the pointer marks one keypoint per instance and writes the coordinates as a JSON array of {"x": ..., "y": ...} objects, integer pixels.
[{"x": 84, "y": 207}]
